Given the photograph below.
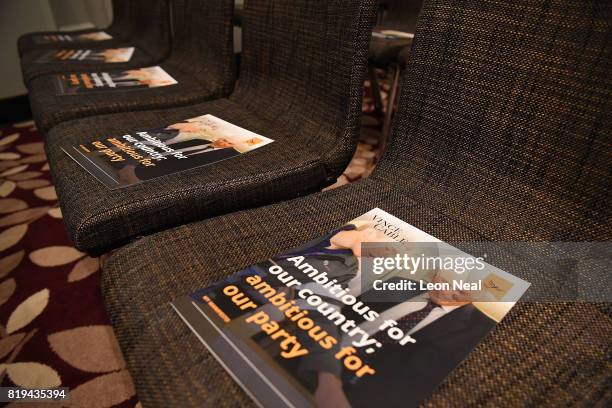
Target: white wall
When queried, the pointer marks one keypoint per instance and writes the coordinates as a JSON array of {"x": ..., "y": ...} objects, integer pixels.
[
  {"x": 81, "y": 14},
  {"x": 18, "y": 17}
]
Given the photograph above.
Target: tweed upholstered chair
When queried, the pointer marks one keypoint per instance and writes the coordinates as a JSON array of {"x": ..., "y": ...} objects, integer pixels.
[
  {"x": 120, "y": 29},
  {"x": 150, "y": 24},
  {"x": 502, "y": 134},
  {"x": 391, "y": 53},
  {"x": 201, "y": 60},
  {"x": 302, "y": 71}
]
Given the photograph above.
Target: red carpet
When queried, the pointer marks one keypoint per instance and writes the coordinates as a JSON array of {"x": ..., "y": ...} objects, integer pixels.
[{"x": 53, "y": 327}]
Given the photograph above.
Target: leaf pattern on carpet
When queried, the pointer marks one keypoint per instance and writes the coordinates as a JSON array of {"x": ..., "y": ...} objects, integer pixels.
[
  {"x": 32, "y": 375},
  {"x": 83, "y": 268},
  {"x": 55, "y": 255},
  {"x": 27, "y": 311},
  {"x": 53, "y": 327},
  {"x": 89, "y": 348},
  {"x": 7, "y": 187}
]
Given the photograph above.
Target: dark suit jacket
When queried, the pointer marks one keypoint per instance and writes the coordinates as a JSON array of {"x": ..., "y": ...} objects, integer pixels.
[
  {"x": 339, "y": 264},
  {"x": 163, "y": 134},
  {"x": 406, "y": 375},
  {"x": 173, "y": 165}
]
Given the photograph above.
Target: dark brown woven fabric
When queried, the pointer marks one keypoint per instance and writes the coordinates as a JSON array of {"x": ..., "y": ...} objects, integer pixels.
[
  {"x": 502, "y": 134},
  {"x": 150, "y": 24},
  {"x": 400, "y": 14},
  {"x": 202, "y": 61},
  {"x": 120, "y": 29},
  {"x": 303, "y": 65},
  {"x": 301, "y": 85}
]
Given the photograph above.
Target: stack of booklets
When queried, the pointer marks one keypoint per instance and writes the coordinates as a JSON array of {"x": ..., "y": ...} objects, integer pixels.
[{"x": 374, "y": 312}]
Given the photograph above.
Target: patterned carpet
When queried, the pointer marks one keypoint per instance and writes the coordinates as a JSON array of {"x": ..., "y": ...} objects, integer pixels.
[
  {"x": 53, "y": 327},
  {"x": 54, "y": 330}
]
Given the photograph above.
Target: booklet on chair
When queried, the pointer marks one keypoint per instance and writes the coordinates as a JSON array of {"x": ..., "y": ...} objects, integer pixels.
[
  {"x": 88, "y": 82},
  {"x": 108, "y": 55},
  {"x": 375, "y": 309},
  {"x": 65, "y": 38},
  {"x": 139, "y": 156}
]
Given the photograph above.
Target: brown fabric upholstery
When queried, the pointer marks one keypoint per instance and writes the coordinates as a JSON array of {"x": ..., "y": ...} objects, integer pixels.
[
  {"x": 502, "y": 134},
  {"x": 300, "y": 84},
  {"x": 202, "y": 61}
]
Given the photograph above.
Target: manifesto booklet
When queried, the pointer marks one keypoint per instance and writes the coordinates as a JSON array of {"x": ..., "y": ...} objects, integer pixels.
[
  {"x": 104, "y": 55},
  {"x": 64, "y": 38},
  {"x": 374, "y": 312},
  {"x": 87, "y": 82},
  {"x": 144, "y": 155}
]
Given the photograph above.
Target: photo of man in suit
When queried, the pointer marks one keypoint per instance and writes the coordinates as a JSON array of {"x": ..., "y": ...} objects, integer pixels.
[
  {"x": 356, "y": 349},
  {"x": 112, "y": 81},
  {"x": 194, "y": 142},
  {"x": 111, "y": 55},
  {"x": 149, "y": 77},
  {"x": 445, "y": 325}
]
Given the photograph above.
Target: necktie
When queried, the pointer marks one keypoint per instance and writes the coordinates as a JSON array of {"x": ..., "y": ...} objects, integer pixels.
[{"x": 406, "y": 323}]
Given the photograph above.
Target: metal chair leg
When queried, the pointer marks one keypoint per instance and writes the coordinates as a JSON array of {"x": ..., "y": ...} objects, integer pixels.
[
  {"x": 390, "y": 106},
  {"x": 378, "y": 106}
]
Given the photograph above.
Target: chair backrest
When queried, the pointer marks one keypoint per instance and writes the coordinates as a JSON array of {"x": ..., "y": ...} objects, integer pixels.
[
  {"x": 145, "y": 23},
  {"x": 400, "y": 14},
  {"x": 202, "y": 41},
  {"x": 302, "y": 66},
  {"x": 120, "y": 24},
  {"x": 504, "y": 118}
]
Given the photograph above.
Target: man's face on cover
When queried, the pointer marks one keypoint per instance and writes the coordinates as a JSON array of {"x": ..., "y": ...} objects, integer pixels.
[
  {"x": 221, "y": 143},
  {"x": 186, "y": 127},
  {"x": 353, "y": 239}
]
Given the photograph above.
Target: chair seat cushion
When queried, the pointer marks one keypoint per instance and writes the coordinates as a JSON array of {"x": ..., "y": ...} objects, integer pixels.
[
  {"x": 49, "y": 108},
  {"x": 532, "y": 357},
  {"x": 31, "y": 69},
  {"x": 99, "y": 219}
]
